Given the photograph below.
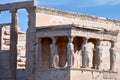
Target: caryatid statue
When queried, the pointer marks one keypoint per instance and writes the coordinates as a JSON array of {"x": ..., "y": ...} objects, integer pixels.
[
  {"x": 70, "y": 52},
  {"x": 112, "y": 56},
  {"x": 85, "y": 57},
  {"x": 54, "y": 54},
  {"x": 97, "y": 54}
]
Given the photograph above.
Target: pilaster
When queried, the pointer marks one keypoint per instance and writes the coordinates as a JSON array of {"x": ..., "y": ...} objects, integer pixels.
[{"x": 31, "y": 44}]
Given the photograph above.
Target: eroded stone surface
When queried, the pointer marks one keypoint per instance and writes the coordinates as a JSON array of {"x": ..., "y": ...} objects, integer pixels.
[{"x": 45, "y": 24}]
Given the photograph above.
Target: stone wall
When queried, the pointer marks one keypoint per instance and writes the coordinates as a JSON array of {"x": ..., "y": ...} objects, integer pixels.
[
  {"x": 47, "y": 17},
  {"x": 5, "y": 44},
  {"x": 5, "y": 69},
  {"x": 75, "y": 74}
]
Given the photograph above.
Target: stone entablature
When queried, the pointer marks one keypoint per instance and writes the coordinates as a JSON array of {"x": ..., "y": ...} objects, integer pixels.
[{"x": 76, "y": 30}]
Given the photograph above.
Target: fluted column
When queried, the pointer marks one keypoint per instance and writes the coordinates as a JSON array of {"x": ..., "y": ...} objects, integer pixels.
[
  {"x": 70, "y": 52},
  {"x": 112, "y": 56},
  {"x": 13, "y": 42},
  {"x": 54, "y": 54},
  {"x": 85, "y": 57}
]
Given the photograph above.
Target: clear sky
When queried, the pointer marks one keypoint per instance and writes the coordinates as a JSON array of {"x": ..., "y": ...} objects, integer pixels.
[{"x": 102, "y": 8}]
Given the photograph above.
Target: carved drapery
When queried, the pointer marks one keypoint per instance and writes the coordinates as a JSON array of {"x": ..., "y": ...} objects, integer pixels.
[
  {"x": 97, "y": 54},
  {"x": 70, "y": 52},
  {"x": 112, "y": 56},
  {"x": 54, "y": 54},
  {"x": 85, "y": 57}
]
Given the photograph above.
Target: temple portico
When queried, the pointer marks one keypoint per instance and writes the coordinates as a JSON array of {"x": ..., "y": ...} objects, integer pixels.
[{"x": 59, "y": 50}]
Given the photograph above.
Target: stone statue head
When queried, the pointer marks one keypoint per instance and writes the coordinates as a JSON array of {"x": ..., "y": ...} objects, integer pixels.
[{"x": 98, "y": 41}]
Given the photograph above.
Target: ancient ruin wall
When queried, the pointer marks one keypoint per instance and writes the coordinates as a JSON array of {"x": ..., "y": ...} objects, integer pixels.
[
  {"x": 5, "y": 44},
  {"x": 47, "y": 17}
]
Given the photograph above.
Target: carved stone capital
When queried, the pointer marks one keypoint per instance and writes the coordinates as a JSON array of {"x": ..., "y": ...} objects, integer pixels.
[
  {"x": 54, "y": 54},
  {"x": 53, "y": 40},
  {"x": 70, "y": 39},
  {"x": 112, "y": 44},
  {"x": 85, "y": 39}
]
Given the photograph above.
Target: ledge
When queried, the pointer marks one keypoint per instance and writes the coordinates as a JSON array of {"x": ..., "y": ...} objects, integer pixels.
[
  {"x": 94, "y": 70},
  {"x": 79, "y": 27},
  {"x": 81, "y": 69}
]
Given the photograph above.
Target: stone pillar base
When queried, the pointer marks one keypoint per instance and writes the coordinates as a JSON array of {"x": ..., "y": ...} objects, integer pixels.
[{"x": 75, "y": 74}]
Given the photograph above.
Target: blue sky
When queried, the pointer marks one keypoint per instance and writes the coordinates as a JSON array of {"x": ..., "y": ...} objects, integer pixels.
[{"x": 102, "y": 8}]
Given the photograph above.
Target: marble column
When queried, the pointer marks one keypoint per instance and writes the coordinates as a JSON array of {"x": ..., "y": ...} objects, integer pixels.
[
  {"x": 13, "y": 42},
  {"x": 31, "y": 44},
  {"x": 85, "y": 57},
  {"x": 70, "y": 52},
  {"x": 54, "y": 54},
  {"x": 112, "y": 56}
]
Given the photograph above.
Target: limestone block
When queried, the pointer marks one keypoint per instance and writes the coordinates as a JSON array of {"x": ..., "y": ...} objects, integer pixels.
[
  {"x": 78, "y": 75},
  {"x": 7, "y": 42},
  {"x": 21, "y": 64},
  {"x": 7, "y": 32},
  {"x": 6, "y": 27},
  {"x": 53, "y": 74},
  {"x": 21, "y": 37},
  {"x": 4, "y": 47},
  {"x": 21, "y": 43},
  {"x": 109, "y": 75},
  {"x": 88, "y": 74},
  {"x": 97, "y": 76},
  {"x": 6, "y": 37},
  {"x": 60, "y": 74}
]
